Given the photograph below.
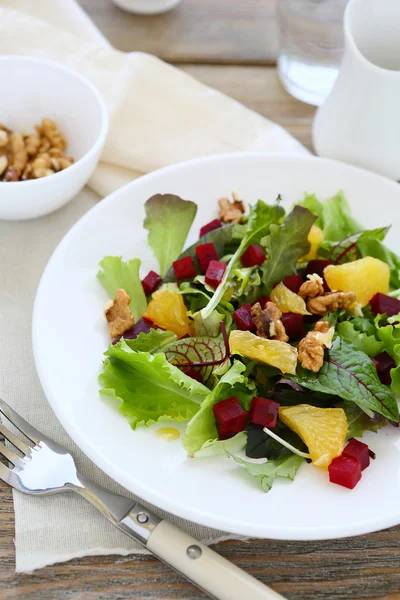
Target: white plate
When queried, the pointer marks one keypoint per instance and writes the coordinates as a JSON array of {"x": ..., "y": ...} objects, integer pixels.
[{"x": 70, "y": 335}]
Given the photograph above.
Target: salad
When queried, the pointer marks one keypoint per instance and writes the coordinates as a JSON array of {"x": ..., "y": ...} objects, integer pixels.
[{"x": 276, "y": 336}]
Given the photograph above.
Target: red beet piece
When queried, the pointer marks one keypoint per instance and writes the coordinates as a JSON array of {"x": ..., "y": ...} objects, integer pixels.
[
  {"x": 191, "y": 372},
  {"x": 215, "y": 272},
  {"x": 230, "y": 417},
  {"x": 151, "y": 282},
  {"x": 184, "y": 268},
  {"x": 358, "y": 450},
  {"x": 384, "y": 363},
  {"x": 293, "y": 282},
  {"x": 294, "y": 325},
  {"x": 254, "y": 255},
  {"x": 345, "y": 470},
  {"x": 317, "y": 266},
  {"x": 383, "y": 304},
  {"x": 242, "y": 317},
  {"x": 263, "y": 301},
  {"x": 206, "y": 253},
  {"x": 215, "y": 224},
  {"x": 264, "y": 412}
]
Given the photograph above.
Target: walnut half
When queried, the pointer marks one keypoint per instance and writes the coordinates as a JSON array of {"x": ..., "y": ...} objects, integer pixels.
[
  {"x": 268, "y": 322},
  {"x": 330, "y": 302},
  {"x": 311, "y": 348},
  {"x": 119, "y": 314},
  {"x": 231, "y": 212}
]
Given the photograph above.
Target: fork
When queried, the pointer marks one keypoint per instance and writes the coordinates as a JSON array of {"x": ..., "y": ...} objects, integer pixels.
[{"x": 47, "y": 468}]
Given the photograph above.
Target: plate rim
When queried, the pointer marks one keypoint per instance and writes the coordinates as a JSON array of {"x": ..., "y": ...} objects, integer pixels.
[{"x": 149, "y": 495}]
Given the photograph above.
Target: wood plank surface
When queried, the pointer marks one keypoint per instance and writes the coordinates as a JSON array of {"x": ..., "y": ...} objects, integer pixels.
[{"x": 197, "y": 31}]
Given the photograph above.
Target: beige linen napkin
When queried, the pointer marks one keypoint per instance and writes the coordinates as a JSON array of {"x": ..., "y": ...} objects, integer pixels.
[{"x": 159, "y": 116}]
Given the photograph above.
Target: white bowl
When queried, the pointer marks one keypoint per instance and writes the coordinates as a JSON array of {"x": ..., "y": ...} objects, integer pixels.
[{"x": 38, "y": 88}]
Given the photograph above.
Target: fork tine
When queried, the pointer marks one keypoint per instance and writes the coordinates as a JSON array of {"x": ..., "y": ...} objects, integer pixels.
[
  {"x": 15, "y": 441},
  {"x": 30, "y": 432},
  {"x": 11, "y": 456}
]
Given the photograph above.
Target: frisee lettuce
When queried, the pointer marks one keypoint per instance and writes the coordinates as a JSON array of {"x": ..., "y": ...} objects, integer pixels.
[
  {"x": 115, "y": 273},
  {"x": 148, "y": 387},
  {"x": 168, "y": 221},
  {"x": 286, "y": 466},
  {"x": 367, "y": 343},
  {"x": 359, "y": 422},
  {"x": 390, "y": 336}
]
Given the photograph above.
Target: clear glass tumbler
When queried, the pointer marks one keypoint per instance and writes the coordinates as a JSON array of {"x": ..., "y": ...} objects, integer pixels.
[{"x": 311, "y": 35}]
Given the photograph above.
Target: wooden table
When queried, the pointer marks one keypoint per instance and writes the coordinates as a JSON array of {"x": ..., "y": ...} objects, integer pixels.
[{"x": 230, "y": 45}]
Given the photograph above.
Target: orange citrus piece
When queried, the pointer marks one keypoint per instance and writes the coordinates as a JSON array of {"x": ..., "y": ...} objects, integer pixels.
[
  {"x": 167, "y": 309},
  {"x": 323, "y": 430},
  {"x": 365, "y": 277},
  {"x": 271, "y": 352},
  {"x": 288, "y": 301},
  {"x": 315, "y": 238}
]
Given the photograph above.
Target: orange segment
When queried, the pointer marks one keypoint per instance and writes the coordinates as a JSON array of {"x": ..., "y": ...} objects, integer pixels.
[
  {"x": 323, "y": 430},
  {"x": 167, "y": 309},
  {"x": 365, "y": 277},
  {"x": 271, "y": 352},
  {"x": 288, "y": 301},
  {"x": 315, "y": 238}
]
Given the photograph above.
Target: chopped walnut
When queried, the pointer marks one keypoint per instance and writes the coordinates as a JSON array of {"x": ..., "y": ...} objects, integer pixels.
[
  {"x": 268, "y": 322},
  {"x": 311, "y": 348},
  {"x": 32, "y": 143},
  {"x": 19, "y": 156},
  {"x": 313, "y": 287},
  {"x": 50, "y": 131},
  {"x": 119, "y": 314},
  {"x": 231, "y": 212},
  {"x": 330, "y": 302},
  {"x": 41, "y": 166},
  {"x": 3, "y": 138},
  {"x": 11, "y": 174}
]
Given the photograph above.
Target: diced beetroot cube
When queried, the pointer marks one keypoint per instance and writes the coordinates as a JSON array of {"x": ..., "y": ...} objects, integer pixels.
[
  {"x": 230, "y": 417},
  {"x": 264, "y": 412},
  {"x": 254, "y": 255},
  {"x": 358, "y": 450},
  {"x": 384, "y": 363},
  {"x": 293, "y": 282},
  {"x": 345, "y": 470},
  {"x": 142, "y": 326},
  {"x": 263, "y": 301},
  {"x": 184, "y": 268},
  {"x": 317, "y": 266},
  {"x": 242, "y": 317},
  {"x": 151, "y": 282},
  {"x": 206, "y": 253},
  {"x": 191, "y": 372},
  {"x": 383, "y": 304},
  {"x": 215, "y": 272},
  {"x": 215, "y": 224},
  {"x": 294, "y": 325}
]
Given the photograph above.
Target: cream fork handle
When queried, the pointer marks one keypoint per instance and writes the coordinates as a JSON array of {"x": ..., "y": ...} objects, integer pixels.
[{"x": 208, "y": 570}]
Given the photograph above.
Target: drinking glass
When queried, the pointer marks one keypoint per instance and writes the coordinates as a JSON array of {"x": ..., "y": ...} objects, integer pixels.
[{"x": 311, "y": 36}]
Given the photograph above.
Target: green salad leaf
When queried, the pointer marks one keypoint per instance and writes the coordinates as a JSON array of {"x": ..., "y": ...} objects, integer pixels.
[
  {"x": 347, "y": 249},
  {"x": 367, "y": 343},
  {"x": 114, "y": 274},
  {"x": 390, "y": 336},
  {"x": 168, "y": 221},
  {"x": 259, "y": 222},
  {"x": 198, "y": 351},
  {"x": 285, "y": 245},
  {"x": 261, "y": 445},
  {"x": 202, "y": 427},
  {"x": 149, "y": 388},
  {"x": 359, "y": 422},
  {"x": 374, "y": 247},
  {"x": 350, "y": 374},
  {"x": 286, "y": 466},
  {"x": 334, "y": 216},
  {"x": 152, "y": 341},
  {"x": 222, "y": 447}
]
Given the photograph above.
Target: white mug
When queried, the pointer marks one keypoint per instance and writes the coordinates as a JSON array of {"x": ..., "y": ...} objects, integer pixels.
[{"x": 359, "y": 122}]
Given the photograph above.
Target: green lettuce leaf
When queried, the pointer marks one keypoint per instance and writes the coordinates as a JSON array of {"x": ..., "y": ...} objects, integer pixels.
[
  {"x": 114, "y": 274},
  {"x": 367, "y": 343},
  {"x": 202, "y": 427},
  {"x": 334, "y": 216},
  {"x": 259, "y": 222},
  {"x": 261, "y": 445},
  {"x": 168, "y": 221},
  {"x": 347, "y": 249},
  {"x": 196, "y": 350},
  {"x": 351, "y": 375},
  {"x": 213, "y": 448},
  {"x": 149, "y": 388},
  {"x": 375, "y": 248},
  {"x": 152, "y": 341},
  {"x": 358, "y": 421},
  {"x": 285, "y": 245},
  {"x": 390, "y": 336},
  {"x": 286, "y": 465}
]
